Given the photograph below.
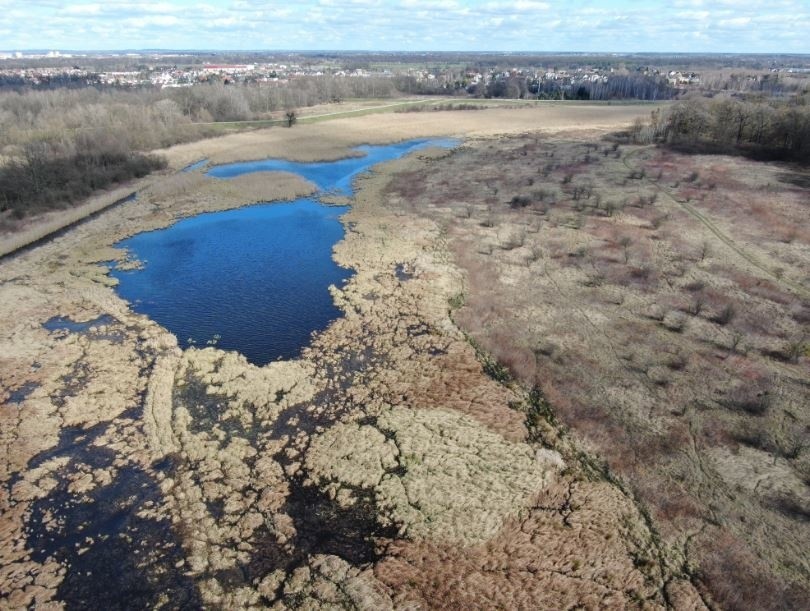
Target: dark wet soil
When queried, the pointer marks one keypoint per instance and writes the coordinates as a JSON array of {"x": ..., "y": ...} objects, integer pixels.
[{"x": 114, "y": 558}]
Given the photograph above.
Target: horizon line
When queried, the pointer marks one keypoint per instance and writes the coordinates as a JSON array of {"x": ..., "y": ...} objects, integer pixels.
[{"x": 392, "y": 52}]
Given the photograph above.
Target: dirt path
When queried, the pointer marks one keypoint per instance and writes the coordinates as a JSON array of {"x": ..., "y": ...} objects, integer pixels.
[
  {"x": 357, "y": 112},
  {"x": 717, "y": 232}
]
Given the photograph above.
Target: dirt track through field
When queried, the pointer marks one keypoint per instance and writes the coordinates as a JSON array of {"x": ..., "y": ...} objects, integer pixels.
[
  {"x": 725, "y": 239},
  {"x": 341, "y": 113}
]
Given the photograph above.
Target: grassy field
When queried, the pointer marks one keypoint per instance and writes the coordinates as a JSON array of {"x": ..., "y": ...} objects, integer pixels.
[
  {"x": 322, "y": 112},
  {"x": 329, "y": 135},
  {"x": 359, "y": 108},
  {"x": 660, "y": 304}
]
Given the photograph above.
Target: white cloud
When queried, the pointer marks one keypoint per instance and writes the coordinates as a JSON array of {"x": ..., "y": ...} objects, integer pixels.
[
  {"x": 163, "y": 21},
  {"x": 736, "y": 22},
  {"x": 528, "y": 5},
  {"x": 83, "y": 9},
  {"x": 655, "y": 25},
  {"x": 698, "y": 15}
]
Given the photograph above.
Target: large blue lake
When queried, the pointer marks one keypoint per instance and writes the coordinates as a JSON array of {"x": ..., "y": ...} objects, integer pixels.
[{"x": 255, "y": 279}]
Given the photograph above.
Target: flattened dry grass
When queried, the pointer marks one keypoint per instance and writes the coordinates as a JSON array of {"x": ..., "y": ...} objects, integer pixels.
[{"x": 327, "y": 140}]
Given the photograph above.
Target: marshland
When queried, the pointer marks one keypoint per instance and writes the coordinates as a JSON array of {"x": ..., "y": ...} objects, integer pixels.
[{"x": 534, "y": 355}]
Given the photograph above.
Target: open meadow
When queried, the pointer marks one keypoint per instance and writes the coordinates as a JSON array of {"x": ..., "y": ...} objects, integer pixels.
[{"x": 659, "y": 304}]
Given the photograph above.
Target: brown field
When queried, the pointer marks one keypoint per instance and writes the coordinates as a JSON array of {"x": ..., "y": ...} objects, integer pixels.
[
  {"x": 641, "y": 441},
  {"x": 661, "y": 303},
  {"x": 329, "y": 139}
]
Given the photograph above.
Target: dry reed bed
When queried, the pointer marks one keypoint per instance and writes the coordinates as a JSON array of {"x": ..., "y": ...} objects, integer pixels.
[
  {"x": 330, "y": 139},
  {"x": 218, "y": 465}
]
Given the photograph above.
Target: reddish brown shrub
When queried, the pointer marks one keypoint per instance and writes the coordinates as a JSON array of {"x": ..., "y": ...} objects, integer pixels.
[{"x": 738, "y": 580}]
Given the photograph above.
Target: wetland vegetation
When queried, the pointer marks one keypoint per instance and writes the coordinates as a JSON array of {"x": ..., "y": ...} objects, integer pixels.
[
  {"x": 658, "y": 304},
  {"x": 255, "y": 279},
  {"x": 554, "y": 361}
]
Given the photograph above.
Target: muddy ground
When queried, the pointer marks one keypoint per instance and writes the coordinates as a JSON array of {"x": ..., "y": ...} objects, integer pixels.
[{"x": 392, "y": 466}]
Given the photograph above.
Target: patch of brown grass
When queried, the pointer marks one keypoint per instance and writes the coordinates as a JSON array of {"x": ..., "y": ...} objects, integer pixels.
[
  {"x": 649, "y": 339},
  {"x": 532, "y": 563},
  {"x": 739, "y": 581}
]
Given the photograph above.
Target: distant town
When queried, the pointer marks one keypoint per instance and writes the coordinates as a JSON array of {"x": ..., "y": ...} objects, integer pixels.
[{"x": 438, "y": 74}]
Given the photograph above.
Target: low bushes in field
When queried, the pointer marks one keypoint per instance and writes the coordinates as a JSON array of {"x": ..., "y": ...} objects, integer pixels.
[
  {"x": 45, "y": 180},
  {"x": 752, "y": 397},
  {"x": 738, "y": 581},
  {"x": 440, "y": 107}
]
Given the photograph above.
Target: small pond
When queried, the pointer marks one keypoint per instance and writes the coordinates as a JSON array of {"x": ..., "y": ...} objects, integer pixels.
[{"x": 255, "y": 279}]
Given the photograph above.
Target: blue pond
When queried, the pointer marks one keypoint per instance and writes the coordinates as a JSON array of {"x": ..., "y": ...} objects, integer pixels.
[
  {"x": 254, "y": 279},
  {"x": 334, "y": 176}
]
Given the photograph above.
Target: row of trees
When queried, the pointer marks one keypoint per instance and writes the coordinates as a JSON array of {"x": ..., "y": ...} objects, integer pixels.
[
  {"x": 762, "y": 128},
  {"x": 631, "y": 86},
  {"x": 613, "y": 87},
  {"x": 773, "y": 84}
]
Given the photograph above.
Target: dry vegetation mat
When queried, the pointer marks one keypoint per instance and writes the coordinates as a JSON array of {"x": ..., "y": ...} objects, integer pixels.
[
  {"x": 659, "y": 305},
  {"x": 329, "y": 140},
  {"x": 389, "y": 467}
]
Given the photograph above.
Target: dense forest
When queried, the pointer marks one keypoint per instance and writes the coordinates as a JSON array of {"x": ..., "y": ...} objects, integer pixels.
[
  {"x": 632, "y": 86},
  {"x": 760, "y": 128},
  {"x": 151, "y": 117},
  {"x": 47, "y": 177},
  {"x": 614, "y": 87}
]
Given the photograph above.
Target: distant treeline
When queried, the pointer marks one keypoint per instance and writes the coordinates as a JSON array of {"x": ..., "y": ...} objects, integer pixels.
[
  {"x": 614, "y": 87},
  {"x": 57, "y": 81},
  {"x": 767, "y": 128},
  {"x": 633, "y": 86},
  {"x": 770, "y": 84},
  {"x": 59, "y": 110},
  {"x": 474, "y": 60}
]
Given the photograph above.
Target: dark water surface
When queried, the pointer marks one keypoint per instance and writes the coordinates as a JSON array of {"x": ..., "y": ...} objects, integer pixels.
[
  {"x": 59, "y": 323},
  {"x": 253, "y": 279},
  {"x": 257, "y": 277}
]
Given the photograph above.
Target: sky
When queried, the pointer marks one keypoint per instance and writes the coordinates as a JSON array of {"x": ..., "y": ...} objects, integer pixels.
[{"x": 726, "y": 26}]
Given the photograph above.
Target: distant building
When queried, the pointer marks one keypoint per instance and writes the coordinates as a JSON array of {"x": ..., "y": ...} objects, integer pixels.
[{"x": 229, "y": 68}]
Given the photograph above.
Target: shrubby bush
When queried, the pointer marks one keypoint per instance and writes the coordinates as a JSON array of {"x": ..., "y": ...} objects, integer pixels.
[{"x": 49, "y": 177}]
